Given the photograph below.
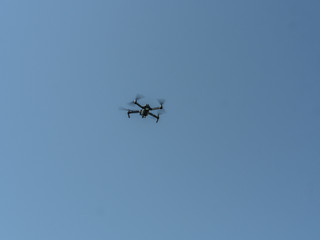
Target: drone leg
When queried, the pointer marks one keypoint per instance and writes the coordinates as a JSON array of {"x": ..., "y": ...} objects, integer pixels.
[{"x": 155, "y": 116}]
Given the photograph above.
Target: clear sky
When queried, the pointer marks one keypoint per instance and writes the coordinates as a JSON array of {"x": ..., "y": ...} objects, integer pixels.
[{"x": 236, "y": 156}]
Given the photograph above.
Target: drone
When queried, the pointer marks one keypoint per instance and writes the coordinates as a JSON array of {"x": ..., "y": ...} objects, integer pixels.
[{"x": 145, "y": 110}]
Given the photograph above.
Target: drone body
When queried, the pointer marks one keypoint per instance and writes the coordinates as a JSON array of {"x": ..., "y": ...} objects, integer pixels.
[{"x": 145, "y": 110}]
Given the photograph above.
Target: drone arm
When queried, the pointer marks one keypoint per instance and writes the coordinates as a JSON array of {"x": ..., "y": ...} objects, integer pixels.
[
  {"x": 157, "y": 108},
  {"x": 135, "y": 102},
  {"x": 131, "y": 111}
]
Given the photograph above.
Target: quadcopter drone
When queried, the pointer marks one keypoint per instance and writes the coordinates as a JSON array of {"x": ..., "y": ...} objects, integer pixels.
[{"x": 145, "y": 110}]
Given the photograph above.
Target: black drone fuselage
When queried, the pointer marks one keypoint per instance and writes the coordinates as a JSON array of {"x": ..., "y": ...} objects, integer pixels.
[{"x": 145, "y": 110}]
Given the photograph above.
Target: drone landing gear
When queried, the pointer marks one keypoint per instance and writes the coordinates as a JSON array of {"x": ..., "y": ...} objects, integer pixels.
[{"x": 155, "y": 116}]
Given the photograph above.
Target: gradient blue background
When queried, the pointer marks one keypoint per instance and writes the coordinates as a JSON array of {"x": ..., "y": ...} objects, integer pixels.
[{"x": 236, "y": 156}]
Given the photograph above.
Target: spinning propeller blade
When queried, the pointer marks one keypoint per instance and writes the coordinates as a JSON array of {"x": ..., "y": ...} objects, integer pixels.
[
  {"x": 161, "y": 102},
  {"x": 138, "y": 97},
  {"x": 124, "y": 109}
]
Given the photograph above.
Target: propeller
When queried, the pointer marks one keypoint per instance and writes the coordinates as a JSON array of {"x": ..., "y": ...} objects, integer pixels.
[
  {"x": 124, "y": 109},
  {"x": 162, "y": 110},
  {"x": 138, "y": 97},
  {"x": 161, "y": 102}
]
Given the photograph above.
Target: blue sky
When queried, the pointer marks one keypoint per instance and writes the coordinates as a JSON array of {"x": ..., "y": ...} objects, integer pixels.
[{"x": 236, "y": 156}]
